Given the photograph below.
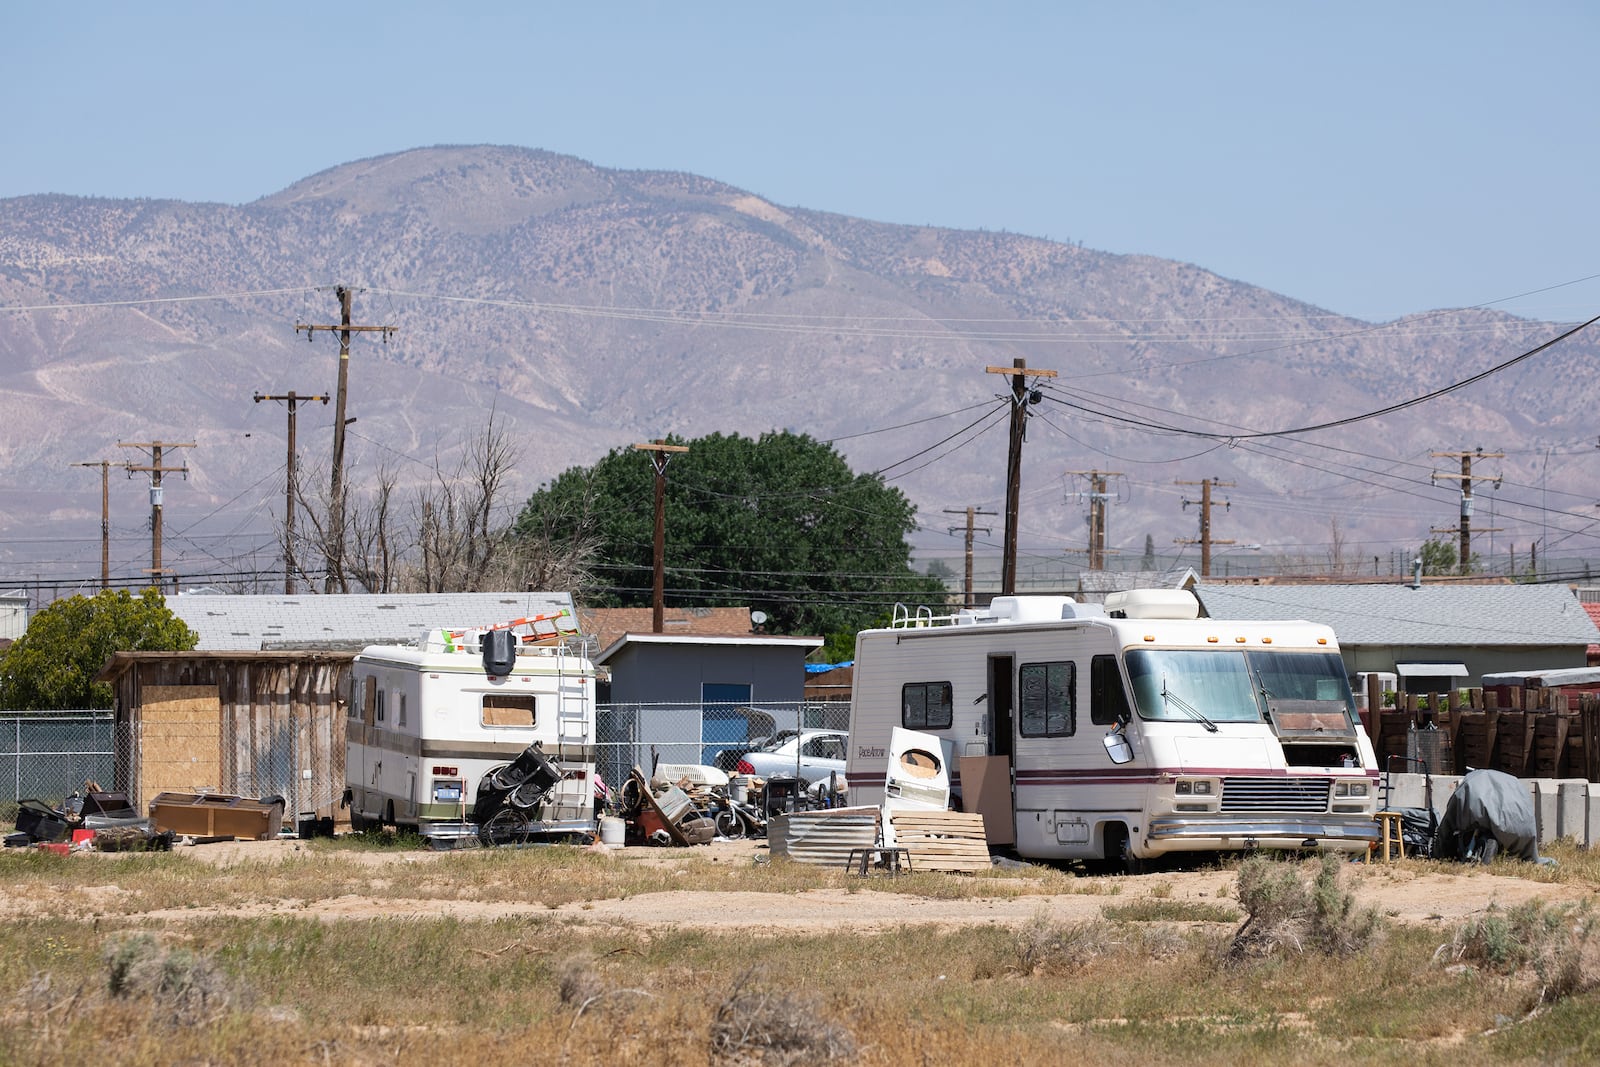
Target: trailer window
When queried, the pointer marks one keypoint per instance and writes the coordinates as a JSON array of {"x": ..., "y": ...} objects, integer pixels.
[
  {"x": 1108, "y": 701},
  {"x": 926, "y": 706},
  {"x": 508, "y": 709},
  {"x": 1045, "y": 703},
  {"x": 380, "y": 705}
]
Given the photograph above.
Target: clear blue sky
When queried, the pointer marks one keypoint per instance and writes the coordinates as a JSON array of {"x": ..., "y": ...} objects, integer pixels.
[{"x": 1376, "y": 159}]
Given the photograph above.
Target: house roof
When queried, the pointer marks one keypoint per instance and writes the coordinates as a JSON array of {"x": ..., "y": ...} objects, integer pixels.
[
  {"x": 348, "y": 620},
  {"x": 608, "y": 624},
  {"x": 1397, "y": 614},
  {"x": 802, "y": 644},
  {"x": 1594, "y": 615}
]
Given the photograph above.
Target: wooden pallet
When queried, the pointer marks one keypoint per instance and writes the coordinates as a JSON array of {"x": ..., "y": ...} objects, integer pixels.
[{"x": 942, "y": 840}]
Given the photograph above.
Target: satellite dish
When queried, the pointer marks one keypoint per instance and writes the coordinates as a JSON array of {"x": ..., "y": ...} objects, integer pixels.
[{"x": 757, "y": 618}]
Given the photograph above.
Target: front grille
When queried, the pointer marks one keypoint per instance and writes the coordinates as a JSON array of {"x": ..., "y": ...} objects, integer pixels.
[{"x": 1275, "y": 794}]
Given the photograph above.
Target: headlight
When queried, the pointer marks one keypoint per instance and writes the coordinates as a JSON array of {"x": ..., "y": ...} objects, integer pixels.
[
  {"x": 1189, "y": 787},
  {"x": 1350, "y": 789}
]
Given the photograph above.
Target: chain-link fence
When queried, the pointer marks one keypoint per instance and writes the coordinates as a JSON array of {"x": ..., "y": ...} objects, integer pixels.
[
  {"x": 716, "y": 735},
  {"x": 49, "y": 755}
]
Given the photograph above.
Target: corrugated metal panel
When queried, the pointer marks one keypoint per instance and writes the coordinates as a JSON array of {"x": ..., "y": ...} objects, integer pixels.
[{"x": 823, "y": 838}]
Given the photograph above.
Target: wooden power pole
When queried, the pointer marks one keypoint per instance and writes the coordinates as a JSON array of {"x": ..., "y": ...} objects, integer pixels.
[
  {"x": 1205, "y": 540},
  {"x": 1022, "y": 398},
  {"x": 155, "y": 469},
  {"x": 293, "y": 399},
  {"x": 660, "y": 456},
  {"x": 105, "y": 518},
  {"x": 1098, "y": 499},
  {"x": 971, "y": 514},
  {"x": 1466, "y": 478},
  {"x": 335, "y": 550}
]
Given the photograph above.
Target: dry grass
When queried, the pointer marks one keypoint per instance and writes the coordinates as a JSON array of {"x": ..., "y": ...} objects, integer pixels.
[{"x": 1149, "y": 989}]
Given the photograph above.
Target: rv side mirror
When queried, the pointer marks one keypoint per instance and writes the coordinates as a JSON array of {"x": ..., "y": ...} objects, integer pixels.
[{"x": 1117, "y": 747}]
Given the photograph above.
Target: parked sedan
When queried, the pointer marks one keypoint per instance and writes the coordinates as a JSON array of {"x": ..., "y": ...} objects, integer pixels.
[{"x": 813, "y": 754}]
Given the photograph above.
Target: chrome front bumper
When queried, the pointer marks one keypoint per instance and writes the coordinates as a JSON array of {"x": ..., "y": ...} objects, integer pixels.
[{"x": 1355, "y": 833}]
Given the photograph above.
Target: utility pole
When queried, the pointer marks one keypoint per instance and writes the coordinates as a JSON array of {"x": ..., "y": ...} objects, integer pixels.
[
  {"x": 1466, "y": 478},
  {"x": 1022, "y": 398},
  {"x": 1098, "y": 499},
  {"x": 105, "y": 518},
  {"x": 660, "y": 456},
  {"x": 971, "y": 514},
  {"x": 155, "y": 470},
  {"x": 1206, "y": 540},
  {"x": 335, "y": 551},
  {"x": 293, "y": 399}
]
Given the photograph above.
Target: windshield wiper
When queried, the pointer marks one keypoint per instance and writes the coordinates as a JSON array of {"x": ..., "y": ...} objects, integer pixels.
[{"x": 1169, "y": 697}]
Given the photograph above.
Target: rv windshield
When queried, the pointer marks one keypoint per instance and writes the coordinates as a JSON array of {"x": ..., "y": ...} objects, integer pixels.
[
  {"x": 1210, "y": 684},
  {"x": 1232, "y": 685}
]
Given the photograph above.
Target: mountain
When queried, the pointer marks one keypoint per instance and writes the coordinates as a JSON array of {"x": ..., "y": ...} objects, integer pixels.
[{"x": 591, "y": 308}]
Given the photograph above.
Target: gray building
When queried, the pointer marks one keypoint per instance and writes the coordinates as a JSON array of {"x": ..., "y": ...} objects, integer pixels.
[{"x": 1433, "y": 636}]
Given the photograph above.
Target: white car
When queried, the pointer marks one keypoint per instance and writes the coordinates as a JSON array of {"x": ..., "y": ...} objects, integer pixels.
[{"x": 813, "y": 755}]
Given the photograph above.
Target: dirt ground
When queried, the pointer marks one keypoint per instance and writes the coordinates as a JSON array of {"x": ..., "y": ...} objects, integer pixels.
[{"x": 1402, "y": 892}]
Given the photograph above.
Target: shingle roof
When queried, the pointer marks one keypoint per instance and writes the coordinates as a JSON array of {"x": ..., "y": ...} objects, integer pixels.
[
  {"x": 351, "y": 620},
  {"x": 1446, "y": 615},
  {"x": 608, "y": 624}
]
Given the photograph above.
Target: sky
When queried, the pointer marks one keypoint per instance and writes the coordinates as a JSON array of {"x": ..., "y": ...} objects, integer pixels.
[{"x": 1373, "y": 159}]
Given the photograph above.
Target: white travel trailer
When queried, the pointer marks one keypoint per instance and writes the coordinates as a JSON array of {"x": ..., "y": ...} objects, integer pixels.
[
  {"x": 1125, "y": 732},
  {"x": 441, "y": 734}
]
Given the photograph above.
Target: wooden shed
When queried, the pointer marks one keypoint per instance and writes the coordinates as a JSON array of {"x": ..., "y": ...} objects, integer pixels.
[{"x": 252, "y": 724}]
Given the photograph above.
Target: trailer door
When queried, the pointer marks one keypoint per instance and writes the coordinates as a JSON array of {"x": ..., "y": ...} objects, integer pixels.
[{"x": 986, "y": 785}]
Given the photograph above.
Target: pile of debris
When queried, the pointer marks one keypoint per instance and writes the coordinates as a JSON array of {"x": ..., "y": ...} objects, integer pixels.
[{"x": 94, "y": 819}]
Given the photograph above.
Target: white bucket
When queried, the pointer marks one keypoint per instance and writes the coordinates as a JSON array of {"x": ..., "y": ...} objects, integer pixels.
[
  {"x": 739, "y": 789},
  {"x": 613, "y": 831}
]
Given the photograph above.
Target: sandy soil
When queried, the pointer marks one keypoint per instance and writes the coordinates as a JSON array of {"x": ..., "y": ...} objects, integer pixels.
[{"x": 1400, "y": 891}]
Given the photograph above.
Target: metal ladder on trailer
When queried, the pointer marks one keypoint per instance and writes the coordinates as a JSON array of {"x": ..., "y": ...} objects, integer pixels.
[{"x": 574, "y": 712}]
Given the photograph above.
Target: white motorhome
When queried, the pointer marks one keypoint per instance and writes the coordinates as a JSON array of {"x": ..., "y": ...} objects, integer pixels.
[
  {"x": 1123, "y": 732},
  {"x": 436, "y": 729}
]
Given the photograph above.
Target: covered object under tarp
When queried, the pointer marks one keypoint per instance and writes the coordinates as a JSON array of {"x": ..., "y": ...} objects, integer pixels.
[{"x": 1490, "y": 812}]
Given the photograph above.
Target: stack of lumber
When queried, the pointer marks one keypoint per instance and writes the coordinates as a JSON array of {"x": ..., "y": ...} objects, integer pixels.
[{"x": 941, "y": 840}]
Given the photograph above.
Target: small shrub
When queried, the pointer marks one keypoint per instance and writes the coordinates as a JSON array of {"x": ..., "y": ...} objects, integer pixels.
[
  {"x": 1549, "y": 940},
  {"x": 187, "y": 987},
  {"x": 774, "y": 1029},
  {"x": 1284, "y": 913}
]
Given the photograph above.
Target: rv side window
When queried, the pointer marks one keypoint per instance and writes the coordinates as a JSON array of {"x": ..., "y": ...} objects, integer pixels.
[
  {"x": 1108, "y": 701},
  {"x": 400, "y": 715},
  {"x": 369, "y": 699},
  {"x": 1046, "y": 702},
  {"x": 926, "y": 706},
  {"x": 508, "y": 709},
  {"x": 380, "y": 705}
]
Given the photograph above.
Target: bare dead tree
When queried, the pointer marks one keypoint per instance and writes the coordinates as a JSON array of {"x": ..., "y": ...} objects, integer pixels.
[
  {"x": 372, "y": 542},
  {"x": 455, "y": 538}
]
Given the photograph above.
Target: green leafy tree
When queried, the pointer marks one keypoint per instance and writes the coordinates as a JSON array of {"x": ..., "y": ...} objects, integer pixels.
[
  {"x": 53, "y": 665},
  {"x": 780, "y": 523},
  {"x": 1439, "y": 556}
]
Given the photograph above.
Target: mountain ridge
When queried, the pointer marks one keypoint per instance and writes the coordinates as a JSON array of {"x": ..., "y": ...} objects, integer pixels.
[{"x": 591, "y": 307}]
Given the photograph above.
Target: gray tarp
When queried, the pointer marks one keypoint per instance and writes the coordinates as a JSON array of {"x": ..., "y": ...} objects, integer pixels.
[{"x": 1489, "y": 812}]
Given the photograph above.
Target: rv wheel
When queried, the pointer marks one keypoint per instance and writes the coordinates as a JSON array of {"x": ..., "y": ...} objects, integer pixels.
[{"x": 1119, "y": 851}]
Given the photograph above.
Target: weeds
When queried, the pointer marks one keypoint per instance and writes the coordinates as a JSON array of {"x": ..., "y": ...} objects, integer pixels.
[
  {"x": 1285, "y": 913},
  {"x": 775, "y": 1028},
  {"x": 1549, "y": 940},
  {"x": 184, "y": 987}
]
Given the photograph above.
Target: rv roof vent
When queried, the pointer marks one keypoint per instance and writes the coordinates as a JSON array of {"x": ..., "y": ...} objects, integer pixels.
[
  {"x": 1083, "y": 611},
  {"x": 1153, "y": 604}
]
